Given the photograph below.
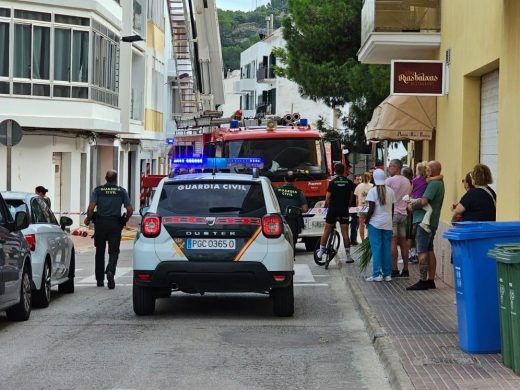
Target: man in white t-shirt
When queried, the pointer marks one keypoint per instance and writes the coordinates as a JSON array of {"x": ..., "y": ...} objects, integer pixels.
[{"x": 401, "y": 186}]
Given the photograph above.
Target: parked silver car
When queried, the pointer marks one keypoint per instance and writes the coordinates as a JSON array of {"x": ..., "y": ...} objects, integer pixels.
[
  {"x": 15, "y": 265},
  {"x": 52, "y": 250}
]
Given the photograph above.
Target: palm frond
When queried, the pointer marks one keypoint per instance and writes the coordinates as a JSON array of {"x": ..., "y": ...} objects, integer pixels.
[{"x": 365, "y": 254}]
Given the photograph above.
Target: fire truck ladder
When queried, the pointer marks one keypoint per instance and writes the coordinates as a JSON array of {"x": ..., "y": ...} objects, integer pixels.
[{"x": 181, "y": 34}]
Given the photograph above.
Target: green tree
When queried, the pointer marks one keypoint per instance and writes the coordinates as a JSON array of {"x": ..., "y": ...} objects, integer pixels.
[
  {"x": 323, "y": 38},
  {"x": 240, "y": 30}
]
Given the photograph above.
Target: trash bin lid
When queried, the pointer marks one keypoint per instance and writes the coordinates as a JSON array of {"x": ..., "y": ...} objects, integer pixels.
[
  {"x": 470, "y": 230},
  {"x": 488, "y": 225},
  {"x": 506, "y": 253}
]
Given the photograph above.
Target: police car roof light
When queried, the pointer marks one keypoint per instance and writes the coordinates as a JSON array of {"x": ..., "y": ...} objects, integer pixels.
[
  {"x": 234, "y": 124},
  {"x": 216, "y": 163},
  {"x": 303, "y": 122}
]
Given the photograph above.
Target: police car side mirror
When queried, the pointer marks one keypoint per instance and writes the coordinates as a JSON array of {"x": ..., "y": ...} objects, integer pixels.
[
  {"x": 64, "y": 222},
  {"x": 143, "y": 210}
]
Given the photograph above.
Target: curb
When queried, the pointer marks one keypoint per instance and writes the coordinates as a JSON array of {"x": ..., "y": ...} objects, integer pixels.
[{"x": 383, "y": 345}]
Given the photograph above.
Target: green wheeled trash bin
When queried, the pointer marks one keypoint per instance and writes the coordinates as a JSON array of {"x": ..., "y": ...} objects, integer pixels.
[
  {"x": 508, "y": 275},
  {"x": 504, "y": 304}
]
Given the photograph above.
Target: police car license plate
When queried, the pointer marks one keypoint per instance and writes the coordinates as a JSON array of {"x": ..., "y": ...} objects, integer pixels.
[{"x": 210, "y": 243}]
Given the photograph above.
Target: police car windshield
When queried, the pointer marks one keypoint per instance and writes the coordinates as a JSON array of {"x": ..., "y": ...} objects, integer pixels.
[
  {"x": 301, "y": 155},
  {"x": 212, "y": 197}
]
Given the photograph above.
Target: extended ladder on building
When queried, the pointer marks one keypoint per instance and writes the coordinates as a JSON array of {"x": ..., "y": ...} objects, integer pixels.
[{"x": 181, "y": 35}]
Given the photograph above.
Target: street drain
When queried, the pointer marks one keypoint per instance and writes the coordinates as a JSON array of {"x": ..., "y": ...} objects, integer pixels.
[{"x": 450, "y": 355}]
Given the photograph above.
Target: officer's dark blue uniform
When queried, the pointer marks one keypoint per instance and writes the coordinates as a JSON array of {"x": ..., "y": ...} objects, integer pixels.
[
  {"x": 289, "y": 195},
  {"x": 108, "y": 199}
]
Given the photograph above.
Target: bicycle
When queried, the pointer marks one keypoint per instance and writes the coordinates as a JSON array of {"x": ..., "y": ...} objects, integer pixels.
[{"x": 331, "y": 249}]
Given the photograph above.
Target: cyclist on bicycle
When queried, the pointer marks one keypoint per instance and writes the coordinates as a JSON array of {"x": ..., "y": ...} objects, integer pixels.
[
  {"x": 289, "y": 195},
  {"x": 339, "y": 196}
]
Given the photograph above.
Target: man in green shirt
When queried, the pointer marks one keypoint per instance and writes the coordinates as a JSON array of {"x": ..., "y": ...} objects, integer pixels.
[{"x": 434, "y": 196}]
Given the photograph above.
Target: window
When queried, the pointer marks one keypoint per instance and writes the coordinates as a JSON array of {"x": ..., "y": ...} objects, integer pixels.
[
  {"x": 14, "y": 206},
  {"x": 23, "y": 14},
  {"x": 212, "y": 198},
  {"x": 80, "y": 56},
  {"x": 67, "y": 19},
  {"x": 139, "y": 21},
  {"x": 62, "y": 50},
  {"x": 67, "y": 73},
  {"x": 106, "y": 64},
  {"x": 4, "y": 49},
  {"x": 22, "y": 51},
  {"x": 37, "y": 213},
  {"x": 41, "y": 52}
]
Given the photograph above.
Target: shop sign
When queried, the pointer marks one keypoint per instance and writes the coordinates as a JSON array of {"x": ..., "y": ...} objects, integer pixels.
[{"x": 420, "y": 78}]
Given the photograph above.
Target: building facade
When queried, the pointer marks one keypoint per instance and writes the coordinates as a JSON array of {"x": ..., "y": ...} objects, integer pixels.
[
  {"x": 263, "y": 93},
  {"x": 86, "y": 99},
  {"x": 477, "y": 118}
]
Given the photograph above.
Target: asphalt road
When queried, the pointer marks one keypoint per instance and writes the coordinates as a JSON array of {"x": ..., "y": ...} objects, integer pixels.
[{"x": 92, "y": 339}]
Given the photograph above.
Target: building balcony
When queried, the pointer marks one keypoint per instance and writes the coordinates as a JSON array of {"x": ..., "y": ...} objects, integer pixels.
[
  {"x": 393, "y": 29},
  {"x": 247, "y": 85},
  {"x": 265, "y": 74}
]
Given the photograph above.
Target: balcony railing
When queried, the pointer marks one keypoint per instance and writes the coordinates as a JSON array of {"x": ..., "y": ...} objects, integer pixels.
[
  {"x": 400, "y": 16},
  {"x": 264, "y": 74}
]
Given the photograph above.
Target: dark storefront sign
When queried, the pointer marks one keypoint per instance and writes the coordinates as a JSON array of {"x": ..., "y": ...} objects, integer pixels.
[{"x": 424, "y": 78}]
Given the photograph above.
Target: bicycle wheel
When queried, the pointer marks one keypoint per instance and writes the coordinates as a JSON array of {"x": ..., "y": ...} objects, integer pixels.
[
  {"x": 332, "y": 247},
  {"x": 317, "y": 260}
]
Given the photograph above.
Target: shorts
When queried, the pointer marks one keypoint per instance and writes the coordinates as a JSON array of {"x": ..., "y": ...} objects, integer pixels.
[
  {"x": 399, "y": 225},
  {"x": 334, "y": 216},
  {"x": 423, "y": 239}
]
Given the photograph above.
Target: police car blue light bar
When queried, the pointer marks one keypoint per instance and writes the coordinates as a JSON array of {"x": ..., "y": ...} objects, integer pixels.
[{"x": 217, "y": 162}]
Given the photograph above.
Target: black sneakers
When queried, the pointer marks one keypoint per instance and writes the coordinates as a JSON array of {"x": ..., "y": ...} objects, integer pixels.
[
  {"x": 395, "y": 273},
  {"x": 431, "y": 284},
  {"x": 420, "y": 285},
  {"x": 100, "y": 283},
  {"x": 404, "y": 274},
  {"x": 111, "y": 282}
]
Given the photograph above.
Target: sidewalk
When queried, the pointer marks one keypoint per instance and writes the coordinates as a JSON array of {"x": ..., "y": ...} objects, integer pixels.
[{"x": 415, "y": 335}]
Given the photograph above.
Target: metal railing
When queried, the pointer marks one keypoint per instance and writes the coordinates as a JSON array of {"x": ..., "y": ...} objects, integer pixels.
[{"x": 400, "y": 16}]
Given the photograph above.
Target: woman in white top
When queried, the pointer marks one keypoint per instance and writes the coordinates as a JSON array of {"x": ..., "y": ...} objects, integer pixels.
[
  {"x": 361, "y": 193},
  {"x": 381, "y": 199}
]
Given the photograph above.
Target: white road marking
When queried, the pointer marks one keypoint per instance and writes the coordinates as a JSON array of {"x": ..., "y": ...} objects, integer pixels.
[
  {"x": 90, "y": 285},
  {"x": 310, "y": 284},
  {"x": 121, "y": 271},
  {"x": 303, "y": 274},
  {"x": 321, "y": 276}
]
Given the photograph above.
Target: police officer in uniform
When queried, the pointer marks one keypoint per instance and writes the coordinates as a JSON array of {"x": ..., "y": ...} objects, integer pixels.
[
  {"x": 108, "y": 199},
  {"x": 289, "y": 195}
]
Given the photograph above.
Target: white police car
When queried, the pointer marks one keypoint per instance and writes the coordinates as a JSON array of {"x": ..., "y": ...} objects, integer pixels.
[{"x": 213, "y": 232}]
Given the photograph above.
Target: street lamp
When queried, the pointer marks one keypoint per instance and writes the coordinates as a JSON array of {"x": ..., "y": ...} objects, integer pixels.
[{"x": 132, "y": 38}]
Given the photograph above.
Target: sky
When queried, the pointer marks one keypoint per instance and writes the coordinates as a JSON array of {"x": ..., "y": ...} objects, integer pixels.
[{"x": 240, "y": 5}]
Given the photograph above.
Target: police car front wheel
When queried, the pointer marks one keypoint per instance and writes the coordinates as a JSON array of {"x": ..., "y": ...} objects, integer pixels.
[{"x": 143, "y": 300}]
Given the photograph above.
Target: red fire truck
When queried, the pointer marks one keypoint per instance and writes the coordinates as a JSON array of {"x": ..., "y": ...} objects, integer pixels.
[{"x": 297, "y": 148}]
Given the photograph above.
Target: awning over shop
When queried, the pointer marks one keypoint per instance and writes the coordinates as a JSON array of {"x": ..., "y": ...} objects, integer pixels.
[{"x": 403, "y": 118}]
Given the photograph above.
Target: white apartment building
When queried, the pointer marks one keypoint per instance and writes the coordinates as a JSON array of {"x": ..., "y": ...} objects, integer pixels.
[
  {"x": 87, "y": 100},
  {"x": 231, "y": 98},
  {"x": 263, "y": 93}
]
